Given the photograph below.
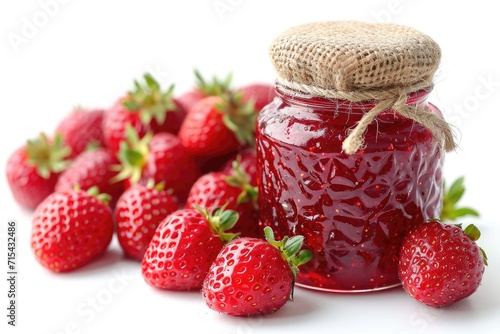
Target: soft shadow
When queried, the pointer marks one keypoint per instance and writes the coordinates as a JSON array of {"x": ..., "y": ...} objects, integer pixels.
[
  {"x": 105, "y": 262},
  {"x": 296, "y": 310},
  {"x": 178, "y": 295}
]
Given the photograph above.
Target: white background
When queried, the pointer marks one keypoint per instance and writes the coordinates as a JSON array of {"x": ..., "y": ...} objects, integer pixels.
[{"x": 88, "y": 53}]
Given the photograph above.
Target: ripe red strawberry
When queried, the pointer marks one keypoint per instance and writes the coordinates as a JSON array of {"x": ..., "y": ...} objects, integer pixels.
[
  {"x": 184, "y": 246},
  {"x": 159, "y": 157},
  {"x": 247, "y": 159},
  {"x": 71, "y": 228},
  {"x": 441, "y": 264},
  {"x": 33, "y": 169},
  {"x": 252, "y": 276},
  {"x": 231, "y": 190},
  {"x": 213, "y": 164},
  {"x": 218, "y": 125},
  {"x": 81, "y": 128},
  {"x": 203, "y": 89},
  {"x": 138, "y": 213},
  {"x": 93, "y": 168},
  {"x": 260, "y": 93},
  {"x": 147, "y": 109}
]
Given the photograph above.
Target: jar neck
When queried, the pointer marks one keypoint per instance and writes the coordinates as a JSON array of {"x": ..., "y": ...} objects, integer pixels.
[{"x": 297, "y": 98}]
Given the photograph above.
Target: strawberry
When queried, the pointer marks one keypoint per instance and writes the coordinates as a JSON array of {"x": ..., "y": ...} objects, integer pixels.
[
  {"x": 92, "y": 168},
  {"x": 137, "y": 215},
  {"x": 441, "y": 264},
  {"x": 33, "y": 169},
  {"x": 146, "y": 109},
  {"x": 81, "y": 128},
  {"x": 184, "y": 246},
  {"x": 218, "y": 125},
  {"x": 71, "y": 228},
  {"x": 247, "y": 159},
  {"x": 251, "y": 276},
  {"x": 260, "y": 93},
  {"x": 231, "y": 190},
  {"x": 213, "y": 164},
  {"x": 203, "y": 89},
  {"x": 159, "y": 157}
]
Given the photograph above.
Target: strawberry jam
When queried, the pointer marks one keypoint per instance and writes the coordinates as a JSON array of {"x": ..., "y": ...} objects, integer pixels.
[{"x": 353, "y": 210}]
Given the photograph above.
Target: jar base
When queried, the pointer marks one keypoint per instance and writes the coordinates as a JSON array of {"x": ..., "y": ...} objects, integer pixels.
[{"x": 310, "y": 287}]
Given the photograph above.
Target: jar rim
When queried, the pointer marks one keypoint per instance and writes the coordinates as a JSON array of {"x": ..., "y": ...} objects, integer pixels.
[{"x": 299, "y": 97}]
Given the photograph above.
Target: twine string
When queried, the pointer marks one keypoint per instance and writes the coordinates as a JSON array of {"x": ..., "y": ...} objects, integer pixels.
[{"x": 385, "y": 99}]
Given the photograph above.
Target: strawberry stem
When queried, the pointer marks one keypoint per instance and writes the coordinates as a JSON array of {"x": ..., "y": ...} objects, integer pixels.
[
  {"x": 289, "y": 248},
  {"x": 149, "y": 101},
  {"x": 240, "y": 179},
  {"x": 216, "y": 87},
  {"x": 474, "y": 234},
  {"x": 132, "y": 155},
  {"x": 94, "y": 191},
  {"x": 46, "y": 155},
  {"x": 220, "y": 221},
  {"x": 238, "y": 117}
]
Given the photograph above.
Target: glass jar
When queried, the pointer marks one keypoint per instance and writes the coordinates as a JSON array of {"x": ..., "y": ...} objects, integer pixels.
[{"x": 353, "y": 210}]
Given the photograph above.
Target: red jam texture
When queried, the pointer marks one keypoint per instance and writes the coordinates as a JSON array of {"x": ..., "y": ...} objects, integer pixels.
[{"x": 352, "y": 210}]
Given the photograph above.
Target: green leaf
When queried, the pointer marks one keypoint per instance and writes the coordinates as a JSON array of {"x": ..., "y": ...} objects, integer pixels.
[
  {"x": 200, "y": 81},
  {"x": 47, "y": 155},
  {"x": 228, "y": 219},
  {"x": 485, "y": 258},
  {"x": 456, "y": 190},
  {"x": 133, "y": 157},
  {"x": 303, "y": 257},
  {"x": 146, "y": 115},
  {"x": 269, "y": 234},
  {"x": 170, "y": 90},
  {"x": 131, "y": 135},
  {"x": 451, "y": 197},
  {"x": 150, "y": 101},
  {"x": 293, "y": 245},
  {"x": 472, "y": 232},
  {"x": 461, "y": 212},
  {"x": 95, "y": 192},
  {"x": 92, "y": 145},
  {"x": 151, "y": 82},
  {"x": 130, "y": 105},
  {"x": 43, "y": 171},
  {"x": 289, "y": 246},
  {"x": 216, "y": 87},
  {"x": 220, "y": 220}
]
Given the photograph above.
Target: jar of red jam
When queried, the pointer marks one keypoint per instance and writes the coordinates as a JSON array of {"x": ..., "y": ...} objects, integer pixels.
[{"x": 350, "y": 153}]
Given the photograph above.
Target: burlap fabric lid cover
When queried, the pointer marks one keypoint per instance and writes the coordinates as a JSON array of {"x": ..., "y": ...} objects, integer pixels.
[{"x": 361, "y": 61}]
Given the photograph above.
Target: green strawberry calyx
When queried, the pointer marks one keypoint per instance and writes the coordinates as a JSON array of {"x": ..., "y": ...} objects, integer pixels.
[
  {"x": 132, "y": 155},
  {"x": 150, "y": 101},
  {"x": 216, "y": 87},
  {"x": 221, "y": 220},
  {"x": 240, "y": 179},
  {"x": 473, "y": 233},
  {"x": 160, "y": 186},
  {"x": 289, "y": 248},
  {"x": 94, "y": 192},
  {"x": 103, "y": 197},
  {"x": 238, "y": 116},
  {"x": 451, "y": 197},
  {"x": 48, "y": 156}
]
